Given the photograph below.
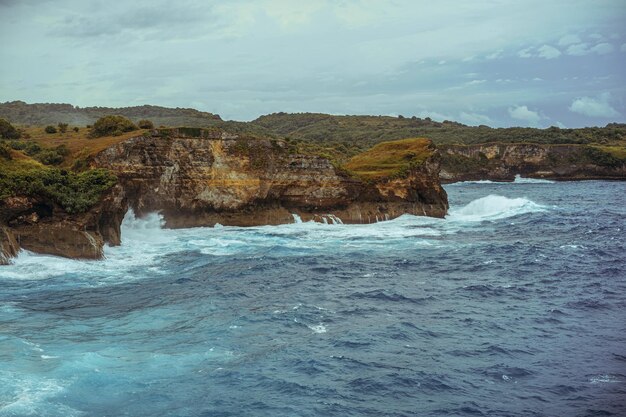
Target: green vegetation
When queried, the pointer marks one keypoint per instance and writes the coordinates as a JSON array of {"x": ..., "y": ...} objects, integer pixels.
[
  {"x": 42, "y": 114},
  {"x": 47, "y": 156},
  {"x": 112, "y": 126},
  {"x": 7, "y": 131},
  {"x": 50, "y": 129},
  {"x": 342, "y": 137},
  {"x": 618, "y": 152},
  {"x": 62, "y": 127},
  {"x": 145, "y": 124},
  {"x": 76, "y": 193},
  {"x": 390, "y": 159}
]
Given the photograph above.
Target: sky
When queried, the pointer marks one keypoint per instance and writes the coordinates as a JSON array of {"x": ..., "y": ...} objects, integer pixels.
[{"x": 501, "y": 63}]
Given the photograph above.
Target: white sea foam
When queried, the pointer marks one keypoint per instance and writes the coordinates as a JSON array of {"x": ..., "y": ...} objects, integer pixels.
[
  {"x": 145, "y": 242},
  {"x": 604, "y": 379},
  {"x": 520, "y": 180},
  {"x": 472, "y": 182},
  {"x": 494, "y": 207},
  {"x": 320, "y": 328},
  {"x": 30, "y": 396}
]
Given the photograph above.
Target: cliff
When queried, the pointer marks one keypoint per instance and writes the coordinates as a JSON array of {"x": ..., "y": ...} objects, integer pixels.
[
  {"x": 200, "y": 177},
  {"x": 502, "y": 161}
]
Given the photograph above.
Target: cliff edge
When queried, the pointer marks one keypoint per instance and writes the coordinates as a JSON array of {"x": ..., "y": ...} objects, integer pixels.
[
  {"x": 202, "y": 177},
  {"x": 503, "y": 161}
]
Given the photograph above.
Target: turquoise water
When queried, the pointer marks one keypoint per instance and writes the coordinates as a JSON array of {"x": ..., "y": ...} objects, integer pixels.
[{"x": 515, "y": 304}]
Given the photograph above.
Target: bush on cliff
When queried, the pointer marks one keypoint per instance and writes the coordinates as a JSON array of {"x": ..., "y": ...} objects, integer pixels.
[
  {"x": 112, "y": 126},
  {"x": 74, "y": 192},
  {"x": 145, "y": 124},
  {"x": 5, "y": 151},
  {"x": 7, "y": 131}
]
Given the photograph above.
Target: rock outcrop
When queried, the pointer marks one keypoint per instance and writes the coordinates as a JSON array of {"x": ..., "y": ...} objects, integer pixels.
[
  {"x": 222, "y": 178},
  {"x": 502, "y": 162},
  {"x": 204, "y": 177}
]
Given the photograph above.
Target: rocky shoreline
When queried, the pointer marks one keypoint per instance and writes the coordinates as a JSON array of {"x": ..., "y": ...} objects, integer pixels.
[
  {"x": 503, "y": 161},
  {"x": 202, "y": 178}
]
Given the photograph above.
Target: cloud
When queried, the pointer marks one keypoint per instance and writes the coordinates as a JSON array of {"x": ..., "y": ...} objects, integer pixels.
[
  {"x": 524, "y": 114},
  {"x": 475, "y": 119},
  {"x": 494, "y": 55},
  {"x": 525, "y": 53},
  {"x": 549, "y": 52},
  {"x": 476, "y": 82},
  {"x": 569, "y": 40},
  {"x": 434, "y": 115},
  {"x": 603, "y": 48},
  {"x": 578, "y": 49},
  {"x": 594, "y": 107},
  {"x": 581, "y": 49}
]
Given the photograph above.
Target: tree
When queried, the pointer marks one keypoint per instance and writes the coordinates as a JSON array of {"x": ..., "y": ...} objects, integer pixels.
[
  {"x": 62, "y": 127},
  {"x": 7, "y": 131},
  {"x": 50, "y": 129},
  {"x": 145, "y": 124},
  {"x": 112, "y": 126}
]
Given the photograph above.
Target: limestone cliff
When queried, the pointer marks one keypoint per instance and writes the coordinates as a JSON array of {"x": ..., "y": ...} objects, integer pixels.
[
  {"x": 203, "y": 177},
  {"x": 220, "y": 178},
  {"x": 502, "y": 162}
]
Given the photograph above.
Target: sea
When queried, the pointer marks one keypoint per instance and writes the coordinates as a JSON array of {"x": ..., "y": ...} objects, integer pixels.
[{"x": 513, "y": 305}]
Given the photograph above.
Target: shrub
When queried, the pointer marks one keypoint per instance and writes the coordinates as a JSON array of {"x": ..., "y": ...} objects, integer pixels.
[
  {"x": 75, "y": 192},
  {"x": 145, "y": 124},
  {"x": 7, "y": 131},
  {"x": 112, "y": 126},
  {"x": 75, "y": 129},
  {"x": 50, "y": 129},
  {"x": 49, "y": 157},
  {"x": 32, "y": 149},
  {"x": 18, "y": 145},
  {"x": 5, "y": 151},
  {"x": 62, "y": 127},
  {"x": 53, "y": 156}
]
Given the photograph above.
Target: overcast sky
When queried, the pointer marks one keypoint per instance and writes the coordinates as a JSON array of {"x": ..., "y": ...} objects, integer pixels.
[{"x": 495, "y": 62}]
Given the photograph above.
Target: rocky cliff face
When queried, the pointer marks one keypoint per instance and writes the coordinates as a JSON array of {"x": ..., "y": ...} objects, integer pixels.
[
  {"x": 502, "y": 162},
  {"x": 221, "y": 178},
  {"x": 201, "y": 178}
]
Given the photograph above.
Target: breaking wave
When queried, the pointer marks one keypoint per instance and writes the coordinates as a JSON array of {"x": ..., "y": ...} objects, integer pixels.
[{"x": 494, "y": 207}]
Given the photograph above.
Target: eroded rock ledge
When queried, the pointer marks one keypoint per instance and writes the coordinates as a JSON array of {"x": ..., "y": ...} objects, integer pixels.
[
  {"x": 207, "y": 178},
  {"x": 502, "y": 162}
]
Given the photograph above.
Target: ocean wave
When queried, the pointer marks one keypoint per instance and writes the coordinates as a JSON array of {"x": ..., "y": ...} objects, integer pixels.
[
  {"x": 520, "y": 180},
  {"x": 494, "y": 207}
]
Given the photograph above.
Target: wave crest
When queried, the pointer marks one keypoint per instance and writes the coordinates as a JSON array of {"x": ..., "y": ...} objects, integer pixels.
[{"x": 494, "y": 207}]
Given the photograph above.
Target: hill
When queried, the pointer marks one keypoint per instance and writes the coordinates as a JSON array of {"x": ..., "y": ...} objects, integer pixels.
[{"x": 40, "y": 114}]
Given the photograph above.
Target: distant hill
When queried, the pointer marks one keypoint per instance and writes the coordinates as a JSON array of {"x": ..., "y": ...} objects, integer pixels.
[
  {"x": 370, "y": 130},
  {"x": 40, "y": 114}
]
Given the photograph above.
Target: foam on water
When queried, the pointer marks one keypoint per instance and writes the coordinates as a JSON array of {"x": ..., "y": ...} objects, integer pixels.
[
  {"x": 472, "y": 182},
  {"x": 145, "y": 241},
  {"x": 520, "y": 180},
  {"x": 494, "y": 207}
]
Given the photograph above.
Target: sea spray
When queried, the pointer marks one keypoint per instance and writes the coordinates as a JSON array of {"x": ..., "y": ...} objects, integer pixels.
[{"x": 493, "y": 207}]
